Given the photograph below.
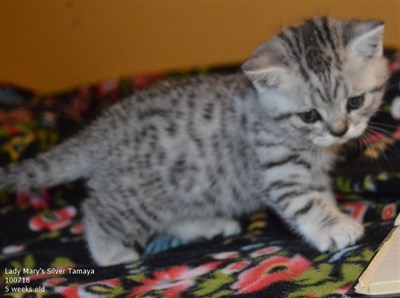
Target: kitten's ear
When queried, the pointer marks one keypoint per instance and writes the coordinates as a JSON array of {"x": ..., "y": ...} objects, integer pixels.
[
  {"x": 364, "y": 38},
  {"x": 264, "y": 70}
]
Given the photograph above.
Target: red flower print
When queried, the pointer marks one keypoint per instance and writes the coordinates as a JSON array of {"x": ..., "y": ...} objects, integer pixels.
[
  {"x": 389, "y": 211},
  {"x": 68, "y": 291},
  {"x": 37, "y": 200},
  {"x": 235, "y": 267},
  {"x": 395, "y": 67},
  {"x": 58, "y": 285},
  {"x": 356, "y": 210},
  {"x": 52, "y": 219},
  {"x": 396, "y": 133},
  {"x": 10, "y": 120},
  {"x": 262, "y": 275},
  {"x": 79, "y": 105},
  {"x": 76, "y": 229},
  {"x": 54, "y": 281},
  {"x": 343, "y": 290},
  {"x": 143, "y": 80},
  {"x": 15, "y": 115},
  {"x": 173, "y": 281},
  {"x": 96, "y": 289},
  {"x": 226, "y": 255},
  {"x": 265, "y": 251},
  {"x": 108, "y": 89},
  {"x": 373, "y": 137}
]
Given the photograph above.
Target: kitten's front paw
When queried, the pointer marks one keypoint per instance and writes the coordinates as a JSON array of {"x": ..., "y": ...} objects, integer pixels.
[{"x": 344, "y": 232}]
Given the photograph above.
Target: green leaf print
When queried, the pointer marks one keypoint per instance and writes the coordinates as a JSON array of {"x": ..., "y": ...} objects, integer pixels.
[
  {"x": 321, "y": 280},
  {"x": 212, "y": 284}
]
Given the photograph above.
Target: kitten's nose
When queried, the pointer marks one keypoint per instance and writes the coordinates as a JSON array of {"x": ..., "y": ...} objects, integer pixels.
[{"x": 338, "y": 128}]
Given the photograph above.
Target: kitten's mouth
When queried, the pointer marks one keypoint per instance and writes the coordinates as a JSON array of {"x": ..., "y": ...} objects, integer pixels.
[{"x": 330, "y": 140}]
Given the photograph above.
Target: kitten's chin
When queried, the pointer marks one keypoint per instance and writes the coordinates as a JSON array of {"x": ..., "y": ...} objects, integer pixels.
[{"x": 356, "y": 131}]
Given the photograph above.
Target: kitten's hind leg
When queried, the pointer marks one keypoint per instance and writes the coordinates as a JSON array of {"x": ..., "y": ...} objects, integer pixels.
[
  {"x": 105, "y": 249},
  {"x": 208, "y": 228}
]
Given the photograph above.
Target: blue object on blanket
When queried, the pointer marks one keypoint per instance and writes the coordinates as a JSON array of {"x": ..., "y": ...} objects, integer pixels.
[{"x": 163, "y": 243}]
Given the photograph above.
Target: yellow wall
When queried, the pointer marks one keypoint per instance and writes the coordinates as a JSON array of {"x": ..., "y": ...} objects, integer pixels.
[{"x": 54, "y": 45}]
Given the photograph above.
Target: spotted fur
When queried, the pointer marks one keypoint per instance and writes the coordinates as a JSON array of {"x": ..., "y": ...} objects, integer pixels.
[{"x": 188, "y": 156}]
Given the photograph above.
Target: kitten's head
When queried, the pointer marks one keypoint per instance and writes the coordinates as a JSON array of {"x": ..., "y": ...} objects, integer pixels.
[{"x": 323, "y": 80}]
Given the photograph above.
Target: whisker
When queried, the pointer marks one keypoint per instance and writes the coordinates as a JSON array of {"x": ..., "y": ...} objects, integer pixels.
[
  {"x": 384, "y": 124},
  {"x": 389, "y": 148},
  {"x": 370, "y": 146},
  {"x": 380, "y": 130},
  {"x": 389, "y": 87},
  {"x": 315, "y": 149},
  {"x": 360, "y": 143},
  {"x": 392, "y": 148}
]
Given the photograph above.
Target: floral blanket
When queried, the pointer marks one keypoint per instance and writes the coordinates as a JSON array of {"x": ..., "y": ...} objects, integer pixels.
[{"x": 43, "y": 253}]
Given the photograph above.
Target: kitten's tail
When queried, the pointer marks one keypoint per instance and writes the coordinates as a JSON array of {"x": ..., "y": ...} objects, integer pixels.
[{"x": 64, "y": 163}]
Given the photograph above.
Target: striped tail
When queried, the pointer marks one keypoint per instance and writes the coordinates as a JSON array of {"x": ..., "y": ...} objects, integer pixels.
[{"x": 64, "y": 163}]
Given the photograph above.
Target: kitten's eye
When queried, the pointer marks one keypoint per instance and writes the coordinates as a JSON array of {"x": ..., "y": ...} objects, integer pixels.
[
  {"x": 311, "y": 116},
  {"x": 353, "y": 103}
]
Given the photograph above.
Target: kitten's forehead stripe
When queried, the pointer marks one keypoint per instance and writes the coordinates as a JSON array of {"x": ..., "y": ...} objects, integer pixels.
[
  {"x": 313, "y": 96},
  {"x": 315, "y": 32},
  {"x": 331, "y": 38},
  {"x": 328, "y": 96},
  {"x": 293, "y": 51},
  {"x": 296, "y": 37},
  {"x": 346, "y": 89},
  {"x": 336, "y": 87},
  {"x": 314, "y": 48},
  {"x": 324, "y": 97}
]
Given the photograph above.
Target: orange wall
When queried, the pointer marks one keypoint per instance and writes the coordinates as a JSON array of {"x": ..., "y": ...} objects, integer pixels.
[{"x": 54, "y": 45}]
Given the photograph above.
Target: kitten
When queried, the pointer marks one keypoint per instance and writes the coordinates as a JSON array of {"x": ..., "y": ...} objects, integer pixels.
[{"x": 189, "y": 156}]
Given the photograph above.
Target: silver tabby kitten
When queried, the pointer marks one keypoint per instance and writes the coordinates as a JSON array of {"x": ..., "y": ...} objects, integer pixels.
[{"x": 187, "y": 157}]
